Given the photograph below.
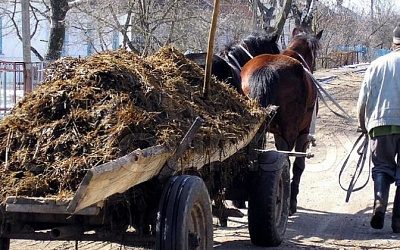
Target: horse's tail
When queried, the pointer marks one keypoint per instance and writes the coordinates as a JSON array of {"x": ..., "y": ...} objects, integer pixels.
[{"x": 262, "y": 83}]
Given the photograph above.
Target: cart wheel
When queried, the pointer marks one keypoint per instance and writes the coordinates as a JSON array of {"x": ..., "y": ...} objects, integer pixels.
[
  {"x": 269, "y": 200},
  {"x": 4, "y": 243},
  {"x": 184, "y": 219}
]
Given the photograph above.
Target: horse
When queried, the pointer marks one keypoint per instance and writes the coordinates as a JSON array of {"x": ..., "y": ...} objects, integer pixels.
[
  {"x": 228, "y": 63},
  {"x": 285, "y": 80}
]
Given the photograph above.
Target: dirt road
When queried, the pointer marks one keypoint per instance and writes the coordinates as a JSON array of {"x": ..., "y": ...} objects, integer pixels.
[{"x": 324, "y": 220}]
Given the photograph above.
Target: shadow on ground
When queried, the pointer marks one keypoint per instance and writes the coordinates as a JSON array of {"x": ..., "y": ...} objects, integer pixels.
[{"x": 322, "y": 230}]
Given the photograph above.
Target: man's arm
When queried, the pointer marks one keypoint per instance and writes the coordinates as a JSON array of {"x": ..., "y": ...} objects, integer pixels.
[{"x": 362, "y": 98}]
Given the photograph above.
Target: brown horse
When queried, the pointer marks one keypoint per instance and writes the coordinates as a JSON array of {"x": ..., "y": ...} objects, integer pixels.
[{"x": 285, "y": 80}]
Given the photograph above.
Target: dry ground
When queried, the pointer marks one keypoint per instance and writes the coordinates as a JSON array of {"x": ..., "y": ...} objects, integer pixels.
[{"x": 324, "y": 220}]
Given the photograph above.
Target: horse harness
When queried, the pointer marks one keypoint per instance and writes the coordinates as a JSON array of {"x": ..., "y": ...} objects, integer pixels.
[
  {"x": 238, "y": 67},
  {"x": 235, "y": 65},
  {"x": 321, "y": 90}
]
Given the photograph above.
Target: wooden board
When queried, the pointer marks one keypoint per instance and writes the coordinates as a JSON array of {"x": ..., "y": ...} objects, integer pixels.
[
  {"x": 15, "y": 204},
  {"x": 197, "y": 161},
  {"x": 118, "y": 176}
]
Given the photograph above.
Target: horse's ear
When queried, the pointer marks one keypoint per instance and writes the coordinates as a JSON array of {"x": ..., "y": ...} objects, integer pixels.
[
  {"x": 319, "y": 35},
  {"x": 296, "y": 31}
]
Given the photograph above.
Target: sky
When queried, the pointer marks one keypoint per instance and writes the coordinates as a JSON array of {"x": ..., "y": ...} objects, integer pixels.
[{"x": 364, "y": 4}]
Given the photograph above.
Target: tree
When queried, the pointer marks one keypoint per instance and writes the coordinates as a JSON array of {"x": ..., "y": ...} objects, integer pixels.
[
  {"x": 280, "y": 23},
  {"x": 348, "y": 29},
  {"x": 303, "y": 14},
  {"x": 59, "y": 10}
]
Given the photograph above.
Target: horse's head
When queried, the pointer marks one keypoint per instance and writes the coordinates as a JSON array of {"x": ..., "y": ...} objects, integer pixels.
[{"x": 305, "y": 45}]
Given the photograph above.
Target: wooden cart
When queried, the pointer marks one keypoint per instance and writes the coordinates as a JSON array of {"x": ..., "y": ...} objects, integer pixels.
[{"x": 153, "y": 198}]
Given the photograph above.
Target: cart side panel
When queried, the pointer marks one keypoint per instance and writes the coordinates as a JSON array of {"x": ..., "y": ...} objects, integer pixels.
[
  {"x": 118, "y": 176},
  {"x": 197, "y": 161}
]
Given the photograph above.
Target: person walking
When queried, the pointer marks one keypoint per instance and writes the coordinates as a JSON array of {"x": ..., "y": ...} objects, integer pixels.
[{"x": 378, "y": 109}]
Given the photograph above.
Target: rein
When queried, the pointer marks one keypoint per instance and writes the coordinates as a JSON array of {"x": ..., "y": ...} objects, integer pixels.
[
  {"x": 362, "y": 152},
  {"x": 322, "y": 91},
  {"x": 303, "y": 61}
]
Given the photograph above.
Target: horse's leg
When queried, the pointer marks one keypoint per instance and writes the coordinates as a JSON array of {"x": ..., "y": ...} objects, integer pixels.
[
  {"x": 311, "y": 134},
  {"x": 298, "y": 168},
  {"x": 282, "y": 144}
]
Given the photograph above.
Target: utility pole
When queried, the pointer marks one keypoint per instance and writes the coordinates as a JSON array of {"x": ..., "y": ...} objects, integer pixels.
[{"x": 26, "y": 45}]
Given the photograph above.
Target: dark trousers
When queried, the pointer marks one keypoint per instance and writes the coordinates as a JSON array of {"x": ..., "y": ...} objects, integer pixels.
[{"x": 385, "y": 151}]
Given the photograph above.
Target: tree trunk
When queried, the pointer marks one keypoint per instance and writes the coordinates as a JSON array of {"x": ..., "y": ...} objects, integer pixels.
[
  {"x": 303, "y": 19},
  {"x": 254, "y": 17},
  {"x": 280, "y": 22},
  {"x": 306, "y": 22},
  {"x": 372, "y": 9},
  {"x": 26, "y": 45},
  {"x": 59, "y": 9}
]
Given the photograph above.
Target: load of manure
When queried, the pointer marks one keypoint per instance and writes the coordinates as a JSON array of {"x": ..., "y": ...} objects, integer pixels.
[{"x": 90, "y": 111}]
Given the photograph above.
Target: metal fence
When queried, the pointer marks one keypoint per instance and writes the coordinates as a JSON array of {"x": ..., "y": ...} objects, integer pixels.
[
  {"x": 348, "y": 55},
  {"x": 15, "y": 80}
]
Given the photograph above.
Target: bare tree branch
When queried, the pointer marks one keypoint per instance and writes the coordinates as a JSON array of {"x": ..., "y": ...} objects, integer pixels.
[{"x": 75, "y": 3}]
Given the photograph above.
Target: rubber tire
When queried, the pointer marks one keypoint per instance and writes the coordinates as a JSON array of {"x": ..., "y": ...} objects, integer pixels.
[
  {"x": 4, "y": 243},
  {"x": 184, "y": 197},
  {"x": 269, "y": 201}
]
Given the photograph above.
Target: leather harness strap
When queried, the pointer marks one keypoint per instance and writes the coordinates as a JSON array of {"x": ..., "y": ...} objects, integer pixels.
[
  {"x": 362, "y": 152},
  {"x": 321, "y": 91}
]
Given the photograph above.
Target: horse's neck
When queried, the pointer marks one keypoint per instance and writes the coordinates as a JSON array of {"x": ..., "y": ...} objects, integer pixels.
[
  {"x": 299, "y": 56},
  {"x": 239, "y": 57}
]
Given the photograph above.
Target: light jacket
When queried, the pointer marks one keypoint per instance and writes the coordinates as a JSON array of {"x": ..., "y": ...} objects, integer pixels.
[{"x": 379, "y": 99}]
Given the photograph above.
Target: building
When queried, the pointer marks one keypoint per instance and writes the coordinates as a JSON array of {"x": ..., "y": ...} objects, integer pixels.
[{"x": 78, "y": 42}]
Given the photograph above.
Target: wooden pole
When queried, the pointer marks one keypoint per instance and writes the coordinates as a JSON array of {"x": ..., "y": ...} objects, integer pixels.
[{"x": 210, "y": 50}]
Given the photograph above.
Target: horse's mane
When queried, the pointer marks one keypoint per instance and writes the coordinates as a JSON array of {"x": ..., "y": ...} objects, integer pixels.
[
  {"x": 313, "y": 42},
  {"x": 261, "y": 44},
  {"x": 255, "y": 43}
]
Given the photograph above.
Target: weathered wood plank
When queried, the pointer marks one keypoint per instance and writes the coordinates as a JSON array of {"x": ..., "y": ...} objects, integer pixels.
[
  {"x": 197, "y": 161},
  {"x": 43, "y": 206},
  {"x": 118, "y": 176}
]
